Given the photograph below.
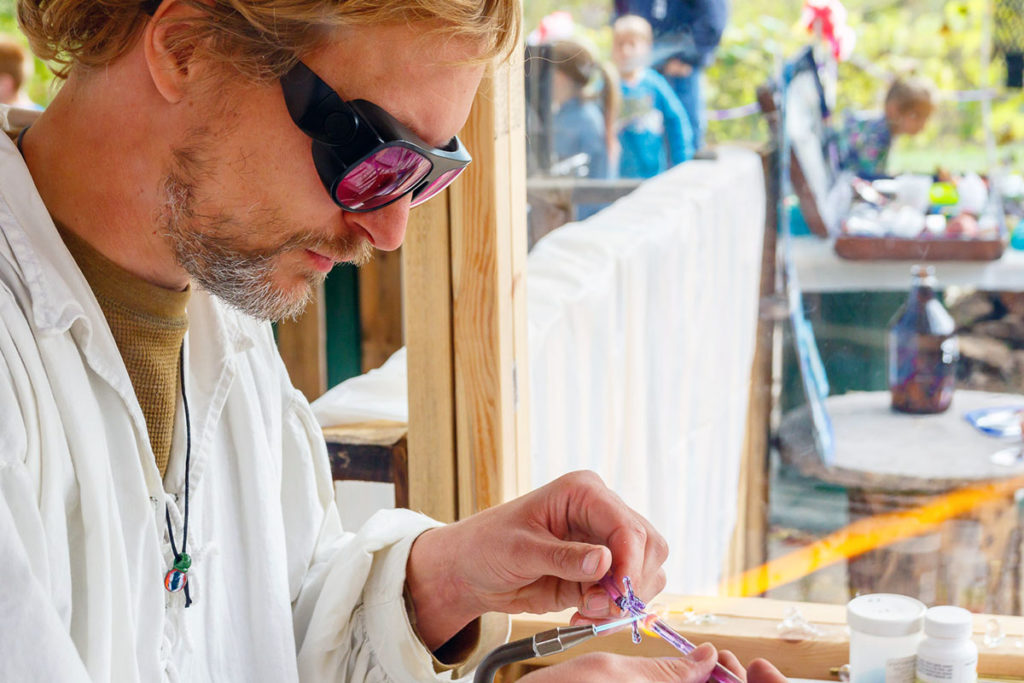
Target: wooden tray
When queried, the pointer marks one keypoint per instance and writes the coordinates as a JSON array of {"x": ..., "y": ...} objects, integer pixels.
[{"x": 861, "y": 248}]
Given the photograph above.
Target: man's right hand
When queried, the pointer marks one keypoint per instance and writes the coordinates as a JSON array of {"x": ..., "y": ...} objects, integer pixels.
[{"x": 602, "y": 666}]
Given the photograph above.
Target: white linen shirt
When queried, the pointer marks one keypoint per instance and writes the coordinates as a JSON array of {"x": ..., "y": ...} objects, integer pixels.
[{"x": 280, "y": 592}]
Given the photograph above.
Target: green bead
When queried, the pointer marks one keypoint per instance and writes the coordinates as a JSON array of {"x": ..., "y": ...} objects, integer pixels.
[
  {"x": 943, "y": 194},
  {"x": 182, "y": 562}
]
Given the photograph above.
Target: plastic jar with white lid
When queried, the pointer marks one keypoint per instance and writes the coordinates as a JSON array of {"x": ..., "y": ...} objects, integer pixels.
[
  {"x": 885, "y": 630},
  {"x": 947, "y": 654}
]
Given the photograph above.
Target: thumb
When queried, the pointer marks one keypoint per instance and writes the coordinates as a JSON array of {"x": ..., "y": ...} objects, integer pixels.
[{"x": 570, "y": 561}]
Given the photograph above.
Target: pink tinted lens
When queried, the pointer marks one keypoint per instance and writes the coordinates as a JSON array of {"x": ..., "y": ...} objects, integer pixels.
[
  {"x": 381, "y": 178},
  {"x": 442, "y": 181}
]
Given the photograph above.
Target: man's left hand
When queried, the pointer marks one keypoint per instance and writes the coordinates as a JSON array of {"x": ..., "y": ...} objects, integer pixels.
[{"x": 539, "y": 553}]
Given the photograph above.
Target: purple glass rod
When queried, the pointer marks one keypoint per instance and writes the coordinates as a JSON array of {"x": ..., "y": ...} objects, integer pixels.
[{"x": 628, "y": 602}]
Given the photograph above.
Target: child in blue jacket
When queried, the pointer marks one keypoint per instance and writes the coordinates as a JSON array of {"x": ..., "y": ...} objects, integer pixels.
[
  {"x": 654, "y": 131},
  {"x": 686, "y": 34}
]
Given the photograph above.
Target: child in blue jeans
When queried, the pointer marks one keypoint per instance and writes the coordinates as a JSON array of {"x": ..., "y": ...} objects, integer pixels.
[{"x": 654, "y": 130}]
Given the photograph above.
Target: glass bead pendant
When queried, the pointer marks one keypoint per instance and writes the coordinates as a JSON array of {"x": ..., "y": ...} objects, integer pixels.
[
  {"x": 177, "y": 576},
  {"x": 175, "y": 580}
]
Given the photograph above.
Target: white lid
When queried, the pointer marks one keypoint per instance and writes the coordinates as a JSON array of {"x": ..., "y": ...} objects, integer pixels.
[
  {"x": 885, "y": 614},
  {"x": 948, "y": 622}
]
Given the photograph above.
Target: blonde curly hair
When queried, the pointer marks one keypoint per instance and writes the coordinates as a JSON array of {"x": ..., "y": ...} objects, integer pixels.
[{"x": 261, "y": 39}]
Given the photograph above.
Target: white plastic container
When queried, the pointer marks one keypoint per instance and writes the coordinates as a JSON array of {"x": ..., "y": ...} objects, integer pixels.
[
  {"x": 885, "y": 630},
  {"x": 947, "y": 654}
]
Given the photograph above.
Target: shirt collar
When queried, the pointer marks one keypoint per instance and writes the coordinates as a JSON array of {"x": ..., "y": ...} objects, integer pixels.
[{"x": 47, "y": 269}]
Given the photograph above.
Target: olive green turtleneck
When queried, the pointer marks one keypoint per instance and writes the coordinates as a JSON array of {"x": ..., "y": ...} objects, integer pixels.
[{"x": 148, "y": 323}]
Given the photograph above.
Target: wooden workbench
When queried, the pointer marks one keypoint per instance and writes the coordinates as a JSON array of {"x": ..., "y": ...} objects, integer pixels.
[{"x": 749, "y": 627}]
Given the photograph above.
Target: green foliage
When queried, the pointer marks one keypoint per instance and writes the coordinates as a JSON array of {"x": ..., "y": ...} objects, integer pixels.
[{"x": 939, "y": 39}]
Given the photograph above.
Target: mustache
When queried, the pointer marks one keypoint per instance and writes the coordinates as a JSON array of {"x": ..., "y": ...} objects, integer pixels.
[
  {"x": 343, "y": 248},
  {"x": 355, "y": 251}
]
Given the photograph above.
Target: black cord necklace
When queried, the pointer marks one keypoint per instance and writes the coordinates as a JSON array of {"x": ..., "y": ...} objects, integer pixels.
[{"x": 176, "y": 578}]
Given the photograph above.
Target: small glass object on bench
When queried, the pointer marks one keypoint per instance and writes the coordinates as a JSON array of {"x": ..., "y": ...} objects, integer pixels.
[
  {"x": 923, "y": 349},
  {"x": 1012, "y": 455}
]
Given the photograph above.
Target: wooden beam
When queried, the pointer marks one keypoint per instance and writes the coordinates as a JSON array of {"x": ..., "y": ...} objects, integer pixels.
[
  {"x": 585, "y": 190},
  {"x": 465, "y": 317},
  {"x": 380, "y": 308},
  {"x": 488, "y": 297},
  {"x": 519, "y": 234},
  {"x": 427, "y": 292},
  {"x": 747, "y": 547},
  {"x": 371, "y": 451},
  {"x": 303, "y": 346},
  {"x": 750, "y": 628}
]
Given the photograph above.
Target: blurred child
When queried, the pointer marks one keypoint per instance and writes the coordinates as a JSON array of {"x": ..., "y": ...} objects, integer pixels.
[
  {"x": 652, "y": 114},
  {"x": 14, "y": 65},
  {"x": 865, "y": 139},
  {"x": 580, "y": 126}
]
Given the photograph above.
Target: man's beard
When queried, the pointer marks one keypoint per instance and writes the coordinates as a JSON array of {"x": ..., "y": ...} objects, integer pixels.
[{"x": 212, "y": 248}]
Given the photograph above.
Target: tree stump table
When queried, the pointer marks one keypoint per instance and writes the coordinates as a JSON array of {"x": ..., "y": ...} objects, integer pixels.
[{"x": 891, "y": 462}]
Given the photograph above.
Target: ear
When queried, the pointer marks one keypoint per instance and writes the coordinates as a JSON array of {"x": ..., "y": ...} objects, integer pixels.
[{"x": 168, "y": 50}]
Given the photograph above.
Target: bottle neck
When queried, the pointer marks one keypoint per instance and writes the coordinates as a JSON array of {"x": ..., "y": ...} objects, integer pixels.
[
  {"x": 923, "y": 280},
  {"x": 922, "y": 288}
]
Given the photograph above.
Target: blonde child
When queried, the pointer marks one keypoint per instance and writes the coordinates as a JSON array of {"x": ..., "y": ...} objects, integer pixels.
[
  {"x": 652, "y": 114},
  {"x": 865, "y": 141}
]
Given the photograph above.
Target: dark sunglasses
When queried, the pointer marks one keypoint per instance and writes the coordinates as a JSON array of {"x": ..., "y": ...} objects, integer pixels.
[{"x": 366, "y": 158}]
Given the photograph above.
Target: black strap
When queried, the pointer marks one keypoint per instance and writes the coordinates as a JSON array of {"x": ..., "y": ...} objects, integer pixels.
[{"x": 21, "y": 136}]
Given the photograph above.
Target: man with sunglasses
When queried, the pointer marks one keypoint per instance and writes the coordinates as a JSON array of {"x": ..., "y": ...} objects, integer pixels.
[{"x": 167, "y": 511}]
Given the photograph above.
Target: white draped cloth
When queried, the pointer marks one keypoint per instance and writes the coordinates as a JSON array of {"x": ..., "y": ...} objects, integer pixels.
[{"x": 642, "y": 324}]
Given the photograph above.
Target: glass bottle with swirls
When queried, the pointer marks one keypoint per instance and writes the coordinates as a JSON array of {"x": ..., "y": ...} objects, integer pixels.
[{"x": 923, "y": 349}]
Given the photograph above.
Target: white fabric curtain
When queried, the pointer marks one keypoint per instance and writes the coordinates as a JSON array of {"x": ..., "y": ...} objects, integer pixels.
[
  {"x": 641, "y": 332},
  {"x": 642, "y": 324}
]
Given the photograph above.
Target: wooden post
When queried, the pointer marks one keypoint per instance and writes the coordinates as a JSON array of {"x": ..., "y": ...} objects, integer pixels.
[
  {"x": 380, "y": 308},
  {"x": 303, "y": 346},
  {"x": 427, "y": 289},
  {"x": 747, "y": 547},
  {"x": 488, "y": 296},
  {"x": 465, "y": 317},
  {"x": 519, "y": 235}
]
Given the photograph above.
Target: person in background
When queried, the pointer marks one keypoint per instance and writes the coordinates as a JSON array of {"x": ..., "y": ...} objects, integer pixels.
[
  {"x": 651, "y": 113},
  {"x": 865, "y": 138},
  {"x": 14, "y": 61},
  {"x": 686, "y": 35},
  {"x": 581, "y": 126}
]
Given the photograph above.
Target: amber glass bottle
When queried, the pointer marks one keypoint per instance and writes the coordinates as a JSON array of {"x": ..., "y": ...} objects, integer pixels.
[{"x": 923, "y": 349}]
